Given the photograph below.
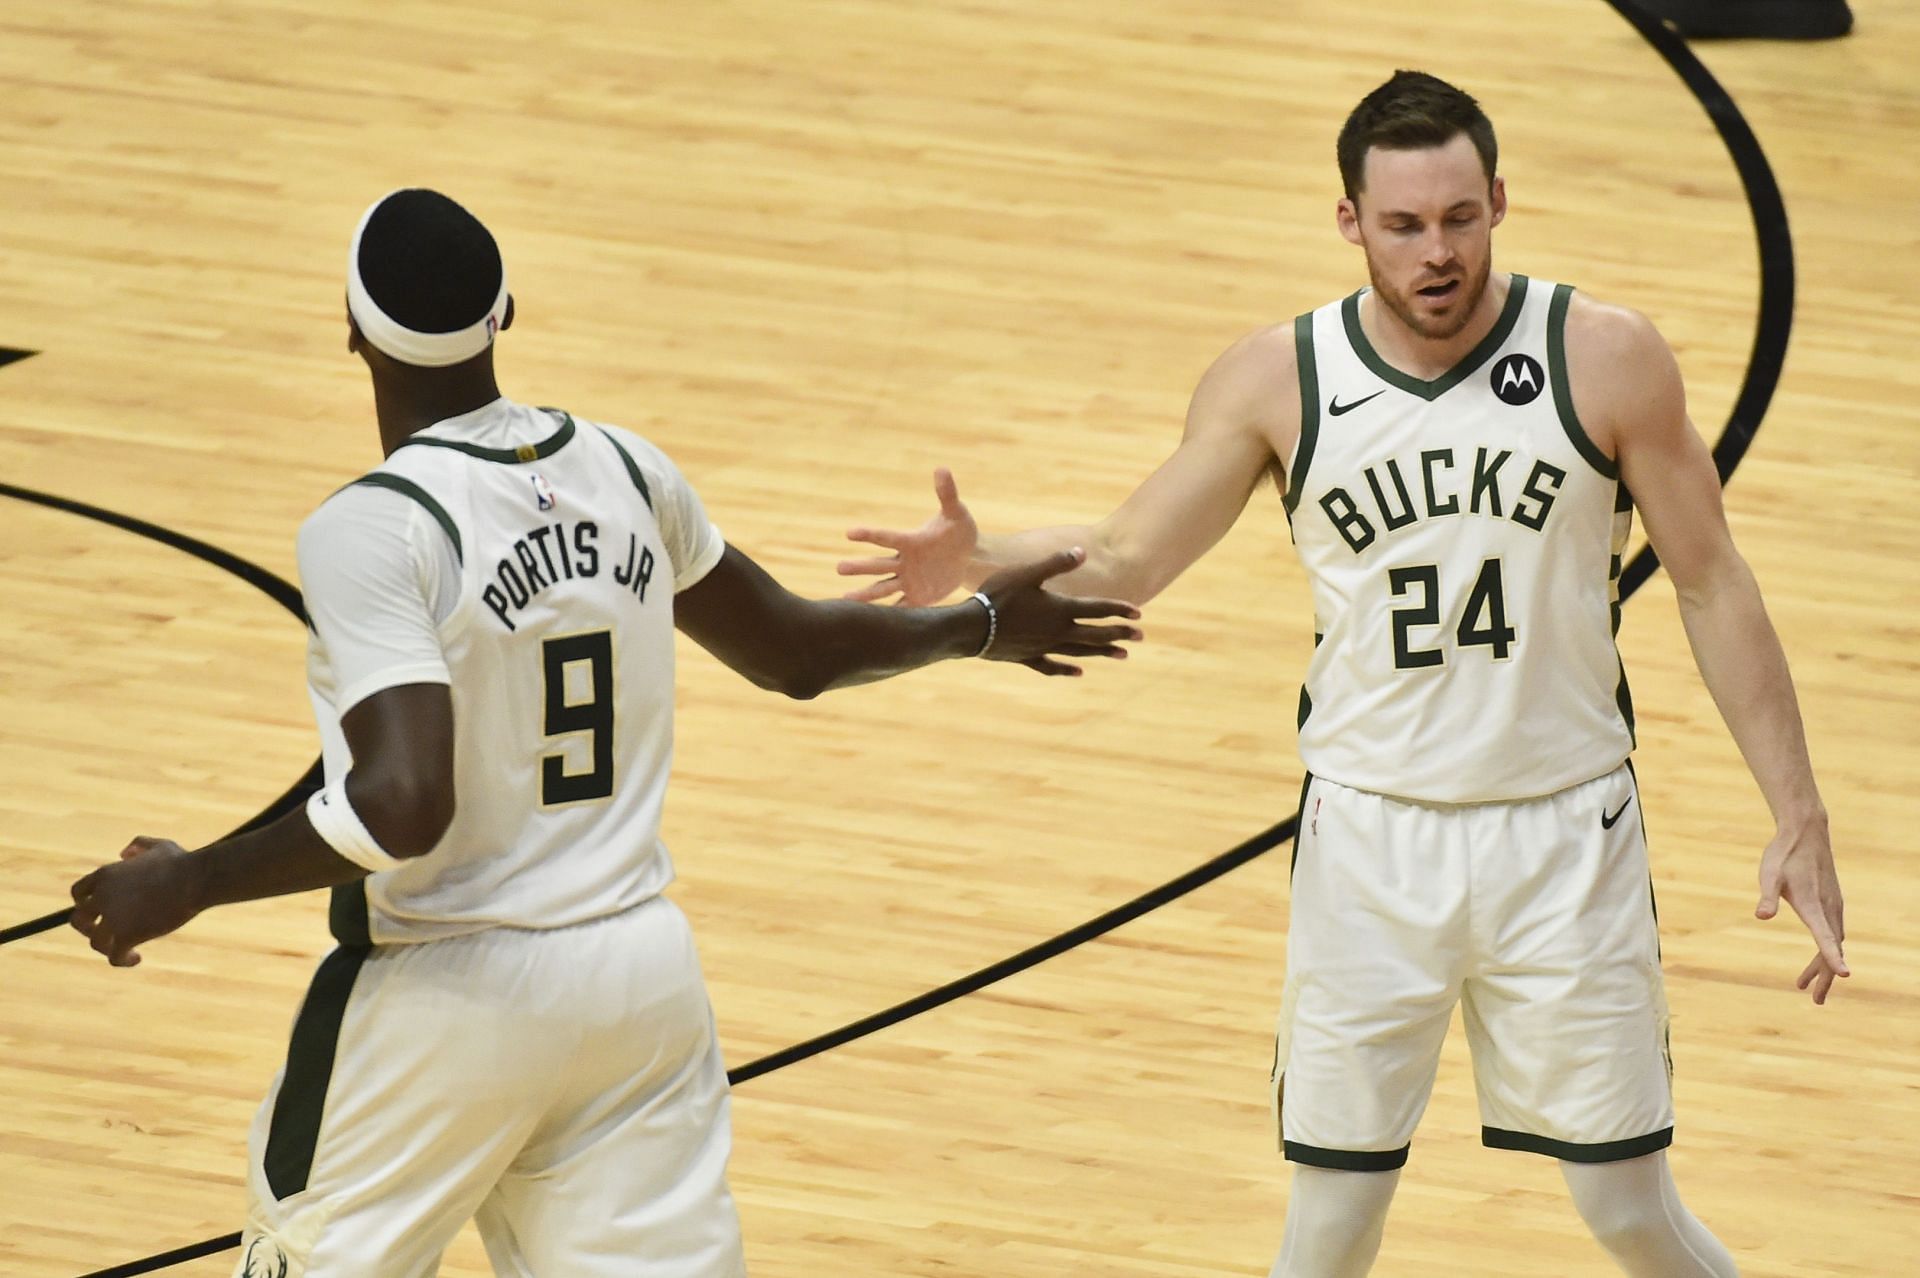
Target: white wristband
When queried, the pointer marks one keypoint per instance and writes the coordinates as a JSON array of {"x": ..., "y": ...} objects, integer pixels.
[
  {"x": 993, "y": 621},
  {"x": 341, "y": 829}
]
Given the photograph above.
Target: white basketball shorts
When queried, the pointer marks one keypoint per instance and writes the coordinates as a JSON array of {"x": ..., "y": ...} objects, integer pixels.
[
  {"x": 563, "y": 1086},
  {"x": 1536, "y": 916}
]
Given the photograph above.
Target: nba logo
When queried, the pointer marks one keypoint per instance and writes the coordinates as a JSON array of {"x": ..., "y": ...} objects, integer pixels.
[
  {"x": 542, "y": 493},
  {"x": 493, "y": 326}
]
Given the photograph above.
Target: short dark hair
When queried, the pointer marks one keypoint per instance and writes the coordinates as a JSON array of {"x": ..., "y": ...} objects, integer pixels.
[
  {"x": 1412, "y": 112},
  {"x": 429, "y": 263}
]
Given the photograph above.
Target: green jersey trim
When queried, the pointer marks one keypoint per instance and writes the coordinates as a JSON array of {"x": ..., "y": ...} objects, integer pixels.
[
  {"x": 1611, "y": 1151},
  {"x": 1623, "y": 700},
  {"x": 1309, "y": 409},
  {"x": 407, "y": 488},
  {"x": 1563, "y": 390},
  {"x": 1306, "y": 698},
  {"x": 347, "y": 915},
  {"x": 505, "y": 456},
  {"x": 1431, "y": 390},
  {"x": 633, "y": 471},
  {"x": 1622, "y": 693},
  {"x": 293, "y": 1132},
  {"x": 1363, "y": 1160},
  {"x": 1293, "y": 862}
]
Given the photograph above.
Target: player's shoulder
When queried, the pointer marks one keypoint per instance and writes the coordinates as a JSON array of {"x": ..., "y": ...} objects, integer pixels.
[
  {"x": 353, "y": 502},
  {"x": 661, "y": 481},
  {"x": 1257, "y": 368},
  {"x": 629, "y": 440},
  {"x": 1608, "y": 335},
  {"x": 1266, "y": 352},
  {"x": 377, "y": 507},
  {"x": 1622, "y": 374},
  {"x": 1251, "y": 390},
  {"x": 651, "y": 458}
]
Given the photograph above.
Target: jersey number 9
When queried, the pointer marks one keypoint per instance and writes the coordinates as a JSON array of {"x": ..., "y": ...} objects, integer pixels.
[{"x": 595, "y": 715}]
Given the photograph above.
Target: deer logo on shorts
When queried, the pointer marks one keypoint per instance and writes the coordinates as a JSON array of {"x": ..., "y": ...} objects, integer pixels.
[{"x": 264, "y": 1260}]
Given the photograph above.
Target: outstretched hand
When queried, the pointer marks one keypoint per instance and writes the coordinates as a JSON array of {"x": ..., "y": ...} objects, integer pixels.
[
  {"x": 154, "y": 889},
  {"x": 1798, "y": 866},
  {"x": 1034, "y": 625},
  {"x": 927, "y": 564}
]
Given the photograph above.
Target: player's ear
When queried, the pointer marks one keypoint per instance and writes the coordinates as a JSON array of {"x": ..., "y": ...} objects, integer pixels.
[
  {"x": 506, "y": 320},
  {"x": 1347, "y": 216},
  {"x": 1499, "y": 201}
]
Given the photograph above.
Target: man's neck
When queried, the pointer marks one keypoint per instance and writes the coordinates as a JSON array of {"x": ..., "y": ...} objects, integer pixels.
[
  {"x": 1426, "y": 357},
  {"x": 407, "y": 406}
]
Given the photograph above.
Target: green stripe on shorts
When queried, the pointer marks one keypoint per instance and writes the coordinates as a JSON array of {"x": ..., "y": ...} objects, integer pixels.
[{"x": 295, "y": 1128}]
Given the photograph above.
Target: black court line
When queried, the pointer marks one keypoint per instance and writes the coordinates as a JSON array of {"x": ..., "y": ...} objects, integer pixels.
[
  {"x": 1773, "y": 325},
  {"x": 275, "y": 587},
  {"x": 11, "y": 354},
  {"x": 296, "y": 794},
  {"x": 1772, "y": 330},
  {"x": 34, "y": 927},
  {"x": 272, "y": 585},
  {"x": 1199, "y": 876}
]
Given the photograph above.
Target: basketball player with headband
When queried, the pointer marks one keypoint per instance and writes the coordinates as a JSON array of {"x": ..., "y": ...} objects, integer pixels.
[{"x": 513, "y": 1026}]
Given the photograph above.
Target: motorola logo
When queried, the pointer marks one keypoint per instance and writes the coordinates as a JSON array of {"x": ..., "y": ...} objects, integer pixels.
[{"x": 1519, "y": 379}]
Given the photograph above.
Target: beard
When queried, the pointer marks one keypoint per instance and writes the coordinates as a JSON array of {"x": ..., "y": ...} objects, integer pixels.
[{"x": 1434, "y": 328}]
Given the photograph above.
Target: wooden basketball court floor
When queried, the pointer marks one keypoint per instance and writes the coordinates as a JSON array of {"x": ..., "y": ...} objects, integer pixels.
[{"x": 814, "y": 250}]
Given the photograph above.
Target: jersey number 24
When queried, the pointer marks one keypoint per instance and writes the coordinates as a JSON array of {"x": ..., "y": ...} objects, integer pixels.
[{"x": 1483, "y": 621}]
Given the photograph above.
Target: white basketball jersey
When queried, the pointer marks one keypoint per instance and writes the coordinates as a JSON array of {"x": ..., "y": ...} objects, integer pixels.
[
  {"x": 1463, "y": 539},
  {"x": 559, "y": 653}
]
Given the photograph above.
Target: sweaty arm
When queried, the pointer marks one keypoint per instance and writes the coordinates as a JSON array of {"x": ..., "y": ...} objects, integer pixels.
[
  {"x": 1243, "y": 419},
  {"x": 1627, "y": 388},
  {"x": 364, "y": 588}
]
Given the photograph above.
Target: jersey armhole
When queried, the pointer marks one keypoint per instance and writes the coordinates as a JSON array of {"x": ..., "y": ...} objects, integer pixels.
[
  {"x": 407, "y": 488},
  {"x": 1563, "y": 387},
  {"x": 1309, "y": 411},
  {"x": 426, "y": 504},
  {"x": 633, "y": 470}
]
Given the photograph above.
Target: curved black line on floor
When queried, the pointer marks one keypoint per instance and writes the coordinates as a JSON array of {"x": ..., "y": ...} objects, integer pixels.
[
  {"x": 1772, "y": 328},
  {"x": 275, "y": 587},
  {"x": 272, "y": 585},
  {"x": 1773, "y": 325},
  {"x": 1771, "y": 332}
]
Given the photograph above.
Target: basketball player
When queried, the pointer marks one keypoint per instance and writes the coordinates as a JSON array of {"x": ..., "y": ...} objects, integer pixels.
[
  {"x": 514, "y": 1024},
  {"x": 1456, "y": 448}
]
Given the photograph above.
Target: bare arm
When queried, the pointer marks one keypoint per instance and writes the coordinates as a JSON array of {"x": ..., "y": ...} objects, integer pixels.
[
  {"x": 1176, "y": 515},
  {"x": 401, "y": 786},
  {"x": 1244, "y": 415},
  {"x": 1621, "y": 367},
  {"x": 803, "y": 647}
]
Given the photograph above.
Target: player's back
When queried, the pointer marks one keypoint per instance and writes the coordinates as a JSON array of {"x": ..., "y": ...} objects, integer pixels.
[
  {"x": 1463, "y": 537},
  {"x": 562, "y": 541}
]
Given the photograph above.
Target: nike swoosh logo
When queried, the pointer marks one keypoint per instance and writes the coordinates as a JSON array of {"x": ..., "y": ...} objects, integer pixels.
[
  {"x": 1336, "y": 407},
  {"x": 1608, "y": 822}
]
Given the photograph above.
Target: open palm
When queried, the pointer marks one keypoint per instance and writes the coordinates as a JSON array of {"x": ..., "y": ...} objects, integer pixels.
[{"x": 927, "y": 564}]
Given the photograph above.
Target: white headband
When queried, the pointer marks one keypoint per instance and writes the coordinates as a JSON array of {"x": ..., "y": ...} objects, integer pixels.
[{"x": 424, "y": 350}]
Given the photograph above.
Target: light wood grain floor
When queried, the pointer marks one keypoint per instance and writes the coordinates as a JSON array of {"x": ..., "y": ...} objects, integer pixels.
[{"x": 814, "y": 250}]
